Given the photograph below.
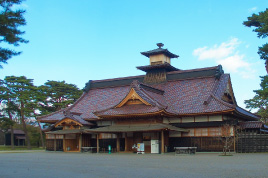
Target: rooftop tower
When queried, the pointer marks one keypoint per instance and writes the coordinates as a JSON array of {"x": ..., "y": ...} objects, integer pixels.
[{"x": 160, "y": 60}]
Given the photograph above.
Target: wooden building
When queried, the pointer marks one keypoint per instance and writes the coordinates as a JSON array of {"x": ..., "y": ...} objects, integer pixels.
[
  {"x": 19, "y": 137},
  {"x": 252, "y": 137},
  {"x": 165, "y": 108}
]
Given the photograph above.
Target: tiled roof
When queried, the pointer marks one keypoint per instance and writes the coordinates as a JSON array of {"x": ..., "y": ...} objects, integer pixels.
[
  {"x": 128, "y": 110},
  {"x": 174, "y": 75},
  {"x": 150, "y": 94},
  {"x": 247, "y": 114},
  {"x": 53, "y": 117},
  {"x": 251, "y": 125},
  {"x": 16, "y": 131},
  {"x": 74, "y": 117},
  {"x": 189, "y": 92}
]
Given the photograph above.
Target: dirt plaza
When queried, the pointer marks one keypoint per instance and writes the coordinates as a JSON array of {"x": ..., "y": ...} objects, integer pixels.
[{"x": 59, "y": 164}]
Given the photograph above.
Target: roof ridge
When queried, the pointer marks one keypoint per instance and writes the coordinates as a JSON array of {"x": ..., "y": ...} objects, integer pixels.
[
  {"x": 155, "y": 101},
  {"x": 119, "y": 78},
  {"x": 138, "y": 84},
  {"x": 223, "y": 102},
  {"x": 154, "y": 90},
  {"x": 212, "y": 92},
  {"x": 193, "y": 70},
  {"x": 79, "y": 99}
]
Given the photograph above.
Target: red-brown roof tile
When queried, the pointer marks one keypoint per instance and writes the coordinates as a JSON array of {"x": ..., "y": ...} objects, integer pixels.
[
  {"x": 188, "y": 96},
  {"x": 129, "y": 110},
  {"x": 251, "y": 125}
]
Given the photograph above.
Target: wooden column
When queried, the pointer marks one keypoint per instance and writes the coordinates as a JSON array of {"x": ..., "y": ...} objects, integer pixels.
[
  {"x": 80, "y": 142},
  {"x": 126, "y": 142},
  {"x": 162, "y": 142},
  {"x": 55, "y": 143},
  {"x": 98, "y": 144},
  {"x": 234, "y": 131},
  {"x": 64, "y": 143},
  {"x": 118, "y": 142}
]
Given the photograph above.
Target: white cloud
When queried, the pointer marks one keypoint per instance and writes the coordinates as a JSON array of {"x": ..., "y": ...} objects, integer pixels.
[
  {"x": 233, "y": 63},
  {"x": 252, "y": 9},
  {"x": 217, "y": 52},
  {"x": 228, "y": 56}
]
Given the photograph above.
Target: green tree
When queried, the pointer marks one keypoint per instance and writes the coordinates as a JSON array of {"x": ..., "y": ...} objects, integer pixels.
[
  {"x": 260, "y": 100},
  {"x": 260, "y": 22},
  {"x": 35, "y": 108},
  {"x": 22, "y": 92},
  {"x": 8, "y": 108},
  {"x": 57, "y": 95},
  {"x": 10, "y": 21},
  {"x": 5, "y": 123}
]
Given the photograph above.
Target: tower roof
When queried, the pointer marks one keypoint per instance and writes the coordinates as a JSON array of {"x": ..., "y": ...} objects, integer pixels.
[
  {"x": 159, "y": 50},
  {"x": 165, "y": 66}
]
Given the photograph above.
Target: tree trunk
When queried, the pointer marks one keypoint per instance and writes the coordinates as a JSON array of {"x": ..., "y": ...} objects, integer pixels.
[
  {"x": 24, "y": 126},
  {"x": 12, "y": 137},
  {"x": 11, "y": 131},
  {"x": 41, "y": 135}
]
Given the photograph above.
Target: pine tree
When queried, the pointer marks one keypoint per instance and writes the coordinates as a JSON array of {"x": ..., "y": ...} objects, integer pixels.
[
  {"x": 58, "y": 95},
  {"x": 22, "y": 92},
  {"x": 260, "y": 100},
  {"x": 10, "y": 21},
  {"x": 8, "y": 109},
  {"x": 260, "y": 22}
]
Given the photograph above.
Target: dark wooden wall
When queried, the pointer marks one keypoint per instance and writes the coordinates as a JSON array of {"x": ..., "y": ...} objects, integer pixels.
[
  {"x": 251, "y": 142},
  {"x": 50, "y": 144},
  {"x": 203, "y": 144}
]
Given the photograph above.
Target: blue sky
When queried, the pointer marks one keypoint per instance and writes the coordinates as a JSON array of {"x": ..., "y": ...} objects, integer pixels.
[{"x": 83, "y": 40}]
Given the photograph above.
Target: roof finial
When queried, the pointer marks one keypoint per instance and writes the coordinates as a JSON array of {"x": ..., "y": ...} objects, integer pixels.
[{"x": 160, "y": 45}]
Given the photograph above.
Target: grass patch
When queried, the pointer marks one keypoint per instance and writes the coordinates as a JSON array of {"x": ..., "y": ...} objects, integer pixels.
[{"x": 8, "y": 148}]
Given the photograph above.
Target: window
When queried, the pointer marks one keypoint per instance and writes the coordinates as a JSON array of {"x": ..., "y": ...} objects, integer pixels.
[
  {"x": 215, "y": 131},
  {"x": 107, "y": 136},
  {"x": 201, "y": 132},
  {"x": 50, "y": 136}
]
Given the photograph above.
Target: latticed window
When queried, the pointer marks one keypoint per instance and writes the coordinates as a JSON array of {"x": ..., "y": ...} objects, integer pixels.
[
  {"x": 59, "y": 136},
  {"x": 50, "y": 136},
  {"x": 201, "y": 132},
  {"x": 107, "y": 136},
  {"x": 215, "y": 131}
]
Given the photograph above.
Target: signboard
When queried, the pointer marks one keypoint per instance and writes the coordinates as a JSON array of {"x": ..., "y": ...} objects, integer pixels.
[{"x": 140, "y": 148}]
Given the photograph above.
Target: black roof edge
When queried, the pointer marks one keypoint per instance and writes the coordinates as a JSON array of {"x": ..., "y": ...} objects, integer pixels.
[
  {"x": 249, "y": 116},
  {"x": 175, "y": 75}
]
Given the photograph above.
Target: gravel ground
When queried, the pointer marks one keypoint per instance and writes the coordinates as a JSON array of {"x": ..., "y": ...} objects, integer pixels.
[{"x": 59, "y": 164}]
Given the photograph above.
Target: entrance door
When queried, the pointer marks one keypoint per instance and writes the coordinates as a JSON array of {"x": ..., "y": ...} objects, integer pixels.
[
  {"x": 71, "y": 142},
  {"x": 154, "y": 146}
]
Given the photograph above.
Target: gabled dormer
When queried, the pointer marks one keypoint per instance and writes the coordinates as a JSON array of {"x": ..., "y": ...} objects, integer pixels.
[
  {"x": 132, "y": 98},
  {"x": 228, "y": 95},
  {"x": 141, "y": 100},
  {"x": 72, "y": 121}
]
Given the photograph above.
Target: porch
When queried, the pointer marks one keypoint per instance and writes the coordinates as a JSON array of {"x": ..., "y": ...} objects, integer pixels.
[{"x": 121, "y": 138}]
